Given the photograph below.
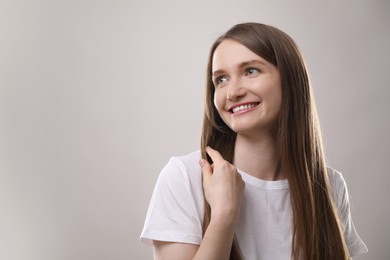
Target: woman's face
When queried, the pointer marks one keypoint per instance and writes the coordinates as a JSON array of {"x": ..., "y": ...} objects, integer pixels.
[{"x": 248, "y": 91}]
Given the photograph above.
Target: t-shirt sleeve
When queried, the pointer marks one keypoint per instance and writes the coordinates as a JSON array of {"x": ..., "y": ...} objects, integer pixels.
[
  {"x": 173, "y": 214},
  {"x": 355, "y": 244}
]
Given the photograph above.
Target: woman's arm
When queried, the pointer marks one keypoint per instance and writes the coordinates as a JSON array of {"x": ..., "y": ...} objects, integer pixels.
[
  {"x": 213, "y": 246},
  {"x": 174, "y": 251},
  {"x": 223, "y": 188}
]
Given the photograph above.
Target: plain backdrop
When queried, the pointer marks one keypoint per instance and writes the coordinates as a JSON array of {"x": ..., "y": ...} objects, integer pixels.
[{"x": 96, "y": 96}]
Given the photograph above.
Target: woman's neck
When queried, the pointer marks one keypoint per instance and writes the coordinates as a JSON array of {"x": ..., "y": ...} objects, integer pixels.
[{"x": 258, "y": 157}]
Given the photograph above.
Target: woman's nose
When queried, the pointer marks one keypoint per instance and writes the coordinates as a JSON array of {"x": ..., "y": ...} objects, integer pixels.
[{"x": 235, "y": 90}]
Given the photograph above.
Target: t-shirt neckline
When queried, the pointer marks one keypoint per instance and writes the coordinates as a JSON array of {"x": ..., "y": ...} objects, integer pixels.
[{"x": 263, "y": 184}]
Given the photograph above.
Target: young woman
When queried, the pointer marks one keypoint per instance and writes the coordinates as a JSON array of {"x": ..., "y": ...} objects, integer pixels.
[{"x": 259, "y": 187}]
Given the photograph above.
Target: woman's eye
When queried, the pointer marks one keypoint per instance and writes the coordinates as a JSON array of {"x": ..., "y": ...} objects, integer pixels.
[
  {"x": 251, "y": 71},
  {"x": 221, "y": 80}
]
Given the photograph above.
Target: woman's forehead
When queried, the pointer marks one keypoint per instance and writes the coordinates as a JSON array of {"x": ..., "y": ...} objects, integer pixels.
[{"x": 232, "y": 54}]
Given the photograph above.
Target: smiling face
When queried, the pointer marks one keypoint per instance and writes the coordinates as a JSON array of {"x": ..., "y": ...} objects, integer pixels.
[{"x": 248, "y": 91}]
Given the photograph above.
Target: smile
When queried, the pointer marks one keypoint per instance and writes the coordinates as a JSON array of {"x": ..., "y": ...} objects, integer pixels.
[{"x": 243, "y": 107}]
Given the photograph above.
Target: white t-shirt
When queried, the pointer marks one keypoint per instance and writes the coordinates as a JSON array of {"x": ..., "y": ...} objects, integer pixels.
[{"x": 263, "y": 231}]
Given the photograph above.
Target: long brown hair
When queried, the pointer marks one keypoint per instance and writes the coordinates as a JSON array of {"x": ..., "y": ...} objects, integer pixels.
[{"x": 316, "y": 228}]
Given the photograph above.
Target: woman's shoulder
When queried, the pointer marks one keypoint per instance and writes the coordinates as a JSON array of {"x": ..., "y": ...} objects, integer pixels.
[
  {"x": 336, "y": 179},
  {"x": 188, "y": 164},
  {"x": 339, "y": 188},
  {"x": 184, "y": 168},
  {"x": 189, "y": 161}
]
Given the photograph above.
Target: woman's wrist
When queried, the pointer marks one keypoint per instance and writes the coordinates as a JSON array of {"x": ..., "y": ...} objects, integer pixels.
[{"x": 225, "y": 217}]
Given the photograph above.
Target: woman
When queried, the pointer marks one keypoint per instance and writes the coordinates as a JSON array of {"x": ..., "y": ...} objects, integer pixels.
[{"x": 259, "y": 188}]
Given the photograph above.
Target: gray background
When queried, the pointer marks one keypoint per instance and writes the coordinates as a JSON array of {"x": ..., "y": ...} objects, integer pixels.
[{"x": 95, "y": 96}]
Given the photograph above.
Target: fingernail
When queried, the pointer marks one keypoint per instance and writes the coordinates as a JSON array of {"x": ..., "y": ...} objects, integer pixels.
[{"x": 201, "y": 162}]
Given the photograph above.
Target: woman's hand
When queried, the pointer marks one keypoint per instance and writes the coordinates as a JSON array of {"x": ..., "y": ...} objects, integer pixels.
[{"x": 223, "y": 187}]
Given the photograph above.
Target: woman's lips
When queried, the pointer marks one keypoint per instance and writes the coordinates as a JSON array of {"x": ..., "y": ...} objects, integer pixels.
[{"x": 243, "y": 107}]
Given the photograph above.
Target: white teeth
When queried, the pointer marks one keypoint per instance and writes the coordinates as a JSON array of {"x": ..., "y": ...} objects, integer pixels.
[{"x": 243, "y": 107}]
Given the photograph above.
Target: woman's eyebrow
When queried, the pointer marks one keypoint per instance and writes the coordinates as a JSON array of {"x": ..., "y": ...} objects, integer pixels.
[
  {"x": 250, "y": 62},
  {"x": 217, "y": 73}
]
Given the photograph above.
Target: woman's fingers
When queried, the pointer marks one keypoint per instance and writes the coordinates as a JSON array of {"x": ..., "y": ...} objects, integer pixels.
[
  {"x": 223, "y": 187},
  {"x": 207, "y": 169},
  {"x": 214, "y": 154},
  {"x": 220, "y": 165}
]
